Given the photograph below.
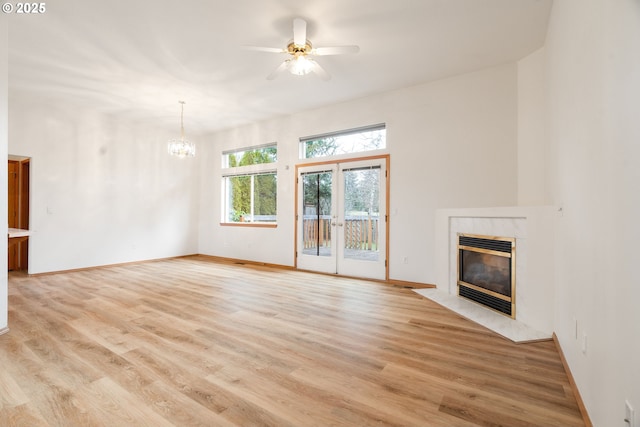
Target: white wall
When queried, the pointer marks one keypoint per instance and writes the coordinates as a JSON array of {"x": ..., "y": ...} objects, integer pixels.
[
  {"x": 452, "y": 144},
  {"x": 532, "y": 139},
  {"x": 4, "y": 80},
  {"x": 102, "y": 191},
  {"x": 593, "y": 102}
]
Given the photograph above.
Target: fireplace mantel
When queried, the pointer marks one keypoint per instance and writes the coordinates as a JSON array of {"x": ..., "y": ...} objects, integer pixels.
[{"x": 532, "y": 227}]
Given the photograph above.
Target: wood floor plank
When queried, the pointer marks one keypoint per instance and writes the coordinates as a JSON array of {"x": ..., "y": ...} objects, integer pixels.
[
  {"x": 522, "y": 406},
  {"x": 21, "y": 416},
  {"x": 193, "y": 342},
  {"x": 404, "y": 406},
  {"x": 10, "y": 392},
  {"x": 118, "y": 407}
]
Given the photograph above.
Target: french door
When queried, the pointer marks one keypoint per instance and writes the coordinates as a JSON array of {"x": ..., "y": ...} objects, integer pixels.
[{"x": 341, "y": 218}]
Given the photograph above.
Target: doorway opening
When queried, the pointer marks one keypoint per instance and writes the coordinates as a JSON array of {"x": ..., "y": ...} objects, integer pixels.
[{"x": 18, "y": 211}]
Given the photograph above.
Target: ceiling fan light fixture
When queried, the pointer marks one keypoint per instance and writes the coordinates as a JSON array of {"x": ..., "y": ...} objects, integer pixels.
[
  {"x": 301, "y": 65},
  {"x": 181, "y": 148}
]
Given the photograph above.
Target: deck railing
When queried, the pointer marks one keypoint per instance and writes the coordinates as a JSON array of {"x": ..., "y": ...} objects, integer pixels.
[{"x": 360, "y": 232}]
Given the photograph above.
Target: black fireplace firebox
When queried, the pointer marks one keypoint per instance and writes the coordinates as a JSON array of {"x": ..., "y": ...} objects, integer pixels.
[{"x": 486, "y": 271}]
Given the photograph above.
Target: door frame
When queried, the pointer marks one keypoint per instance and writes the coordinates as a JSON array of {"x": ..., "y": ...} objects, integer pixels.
[{"x": 387, "y": 188}]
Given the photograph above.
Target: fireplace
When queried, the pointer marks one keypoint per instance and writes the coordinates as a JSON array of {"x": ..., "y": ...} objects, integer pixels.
[{"x": 486, "y": 271}]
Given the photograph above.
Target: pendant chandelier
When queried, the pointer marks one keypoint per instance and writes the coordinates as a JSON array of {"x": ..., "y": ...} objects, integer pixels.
[{"x": 181, "y": 147}]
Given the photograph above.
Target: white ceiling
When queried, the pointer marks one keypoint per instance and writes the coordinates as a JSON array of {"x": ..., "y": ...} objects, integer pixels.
[{"x": 138, "y": 58}]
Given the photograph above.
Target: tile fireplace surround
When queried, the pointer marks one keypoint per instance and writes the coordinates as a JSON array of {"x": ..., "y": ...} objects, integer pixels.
[{"x": 532, "y": 227}]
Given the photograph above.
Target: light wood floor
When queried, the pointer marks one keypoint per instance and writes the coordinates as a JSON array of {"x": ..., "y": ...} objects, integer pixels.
[{"x": 190, "y": 342}]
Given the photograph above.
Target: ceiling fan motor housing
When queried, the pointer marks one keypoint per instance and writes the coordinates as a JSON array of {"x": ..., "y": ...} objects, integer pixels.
[{"x": 297, "y": 50}]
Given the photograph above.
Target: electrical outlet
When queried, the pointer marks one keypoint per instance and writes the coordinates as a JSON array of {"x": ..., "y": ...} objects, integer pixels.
[{"x": 628, "y": 414}]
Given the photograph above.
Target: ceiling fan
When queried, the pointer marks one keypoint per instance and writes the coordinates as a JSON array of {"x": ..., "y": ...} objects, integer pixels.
[{"x": 301, "y": 51}]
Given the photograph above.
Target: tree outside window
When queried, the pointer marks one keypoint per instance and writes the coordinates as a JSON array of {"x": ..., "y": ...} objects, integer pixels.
[
  {"x": 251, "y": 197},
  {"x": 345, "y": 142}
]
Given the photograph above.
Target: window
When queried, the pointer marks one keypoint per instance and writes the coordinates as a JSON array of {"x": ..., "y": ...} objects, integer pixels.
[
  {"x": 251, "y": 198},
  {"x": 250, "y": 156},
  {"x": 344, "y": 142},
  {"x": 250, "y": 185}
]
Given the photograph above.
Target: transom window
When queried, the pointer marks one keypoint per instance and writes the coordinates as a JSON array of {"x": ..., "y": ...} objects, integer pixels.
[
  {"x": 250, "y": 156},
  {"x": 344, "y": 142}
]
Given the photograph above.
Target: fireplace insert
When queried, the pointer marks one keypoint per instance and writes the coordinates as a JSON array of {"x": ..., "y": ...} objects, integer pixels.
[{"x": 486, "y": 271}]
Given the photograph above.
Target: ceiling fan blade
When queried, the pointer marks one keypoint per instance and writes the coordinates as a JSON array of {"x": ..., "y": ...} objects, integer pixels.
[
  {"x": 280, "y": 69},
  {"x": 321, "y": 72},
  {"x": 335, "y": 50},
  {"x": 299, "y": 31},
  {"x": 265, "y": 49}
]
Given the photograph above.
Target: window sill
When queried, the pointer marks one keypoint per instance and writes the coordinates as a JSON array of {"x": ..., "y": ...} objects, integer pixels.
[{"x": 248, "y": 224}]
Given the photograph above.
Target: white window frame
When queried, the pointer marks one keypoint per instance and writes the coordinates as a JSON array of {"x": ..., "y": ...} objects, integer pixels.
[
  {"x": 343, "y": 133},
  {"x": 238, "y": 171}
]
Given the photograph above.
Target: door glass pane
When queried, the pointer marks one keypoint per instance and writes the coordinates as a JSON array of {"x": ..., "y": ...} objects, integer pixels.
[
  {"x": 361, "y": 213},
  {"x": 316, "y": 218}
]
